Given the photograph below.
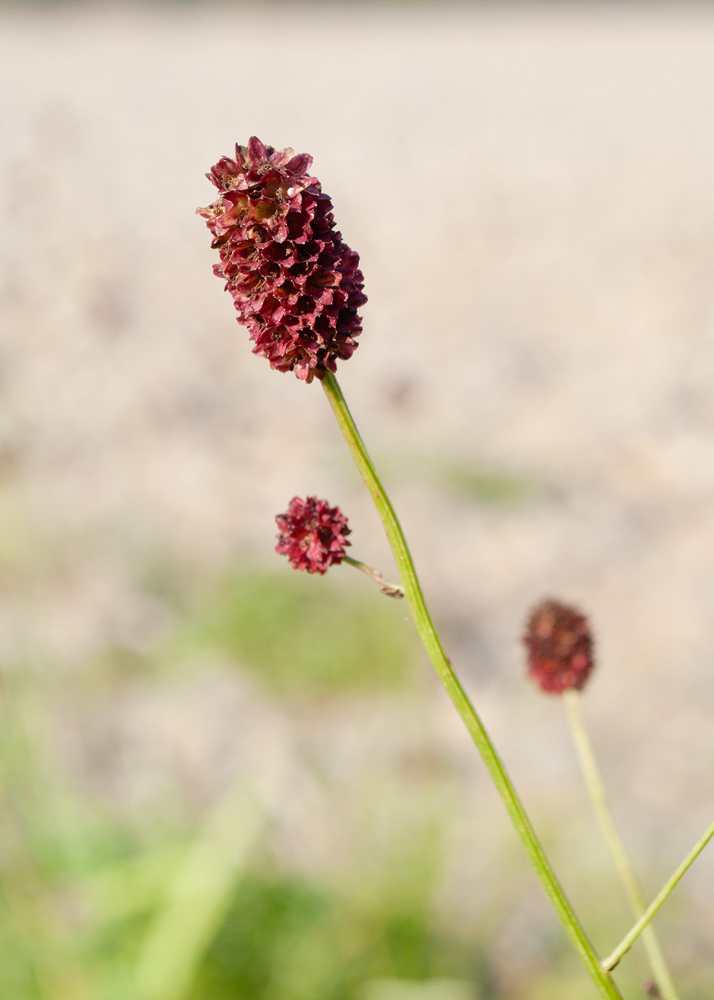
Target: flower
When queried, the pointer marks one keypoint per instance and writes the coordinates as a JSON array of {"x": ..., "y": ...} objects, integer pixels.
[
  {"x": 296, "y": 285},
  {"x": 312, "y": 534},
  {"x": 560, "y": 647}
]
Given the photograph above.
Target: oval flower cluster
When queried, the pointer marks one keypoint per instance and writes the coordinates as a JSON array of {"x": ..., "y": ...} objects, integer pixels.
[
  {"x": 560, "y": 647},
  {"x": 313, "y": 535},
  {"x": 295, "y": 284}
]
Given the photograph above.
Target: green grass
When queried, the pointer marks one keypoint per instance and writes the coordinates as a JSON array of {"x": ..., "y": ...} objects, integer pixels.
[
  {"x": 91, "y": 911},
  {"x": 287, "y": 938}
]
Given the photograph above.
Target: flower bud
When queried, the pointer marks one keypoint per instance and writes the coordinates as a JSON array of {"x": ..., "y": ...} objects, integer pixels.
[
  {"x": 560, "y": 647},
  {"x": 295, "y": 284}
]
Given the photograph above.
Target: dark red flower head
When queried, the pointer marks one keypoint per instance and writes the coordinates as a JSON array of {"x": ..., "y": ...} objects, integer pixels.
[
  {"x": 560, "y": 647},
  {"x": 312, "y": 535},
  {"x": 296, "y": 285}
]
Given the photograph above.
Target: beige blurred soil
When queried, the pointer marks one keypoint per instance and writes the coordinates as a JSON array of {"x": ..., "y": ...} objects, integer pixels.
[{"x": 530, "y": 190}]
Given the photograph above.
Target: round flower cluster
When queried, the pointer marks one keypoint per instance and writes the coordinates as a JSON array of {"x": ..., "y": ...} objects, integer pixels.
[
  {"x": 312, "y": 535},
  {"x": 295, "y": 284},
  {"x": 560, "y": 647}
]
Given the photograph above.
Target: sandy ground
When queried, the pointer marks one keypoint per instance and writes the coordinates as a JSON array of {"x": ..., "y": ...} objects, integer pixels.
[{"x": 529, "y": 188}]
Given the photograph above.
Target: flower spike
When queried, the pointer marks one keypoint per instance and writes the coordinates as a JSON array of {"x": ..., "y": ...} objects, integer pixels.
[{"x": 295, "y": 284}]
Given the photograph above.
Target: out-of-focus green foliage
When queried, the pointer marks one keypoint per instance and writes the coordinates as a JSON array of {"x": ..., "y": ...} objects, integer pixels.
[
  {"x": 477, "y": 482},
  {"x": 300, "y": 635},
  {"x": 191, "y": 903},
  {"x": 488, "y": 486},
  {"x": 92, "y": 911}
]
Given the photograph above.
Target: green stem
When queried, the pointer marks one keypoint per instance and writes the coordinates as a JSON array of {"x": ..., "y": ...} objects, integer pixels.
[
  {"x": 387, "y": 588},
  {"x": 415, "y": 598},
  {"x": 624, "y": 946},
  {"x": 596, "y": 791}
]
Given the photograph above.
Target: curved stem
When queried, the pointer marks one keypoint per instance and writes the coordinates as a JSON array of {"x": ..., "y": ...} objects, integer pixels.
[
  {"x": 471, "y": 719},
  {"x": 596, "y": 792},
  {"x": 387, "y": 588},
  {"x": 629, "y": 939}
]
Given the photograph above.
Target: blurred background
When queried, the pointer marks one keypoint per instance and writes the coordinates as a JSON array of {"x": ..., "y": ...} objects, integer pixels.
[{"x": 220, "y": 779}]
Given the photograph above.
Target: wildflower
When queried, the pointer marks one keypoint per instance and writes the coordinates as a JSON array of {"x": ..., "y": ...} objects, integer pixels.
[
  {"x": 295, "y": 284},
  {"x": 312, "y": 534},
  {"x": 560, "y": 647}
]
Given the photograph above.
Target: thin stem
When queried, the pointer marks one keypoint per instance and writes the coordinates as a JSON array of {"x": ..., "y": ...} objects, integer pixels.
[
  {"x": 629, "y": 939},
  {"x": 596, "y": 791},
  {"x": 471, "y": 719},
  {"x": 390, "y": 589}
]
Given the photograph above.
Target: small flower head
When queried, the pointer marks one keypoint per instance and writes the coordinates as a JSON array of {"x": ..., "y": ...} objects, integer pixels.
[
  {"x": 295, "y": 284},
  {"x": 312, "y": 535},
  {"x": 560, "y": 647}
]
